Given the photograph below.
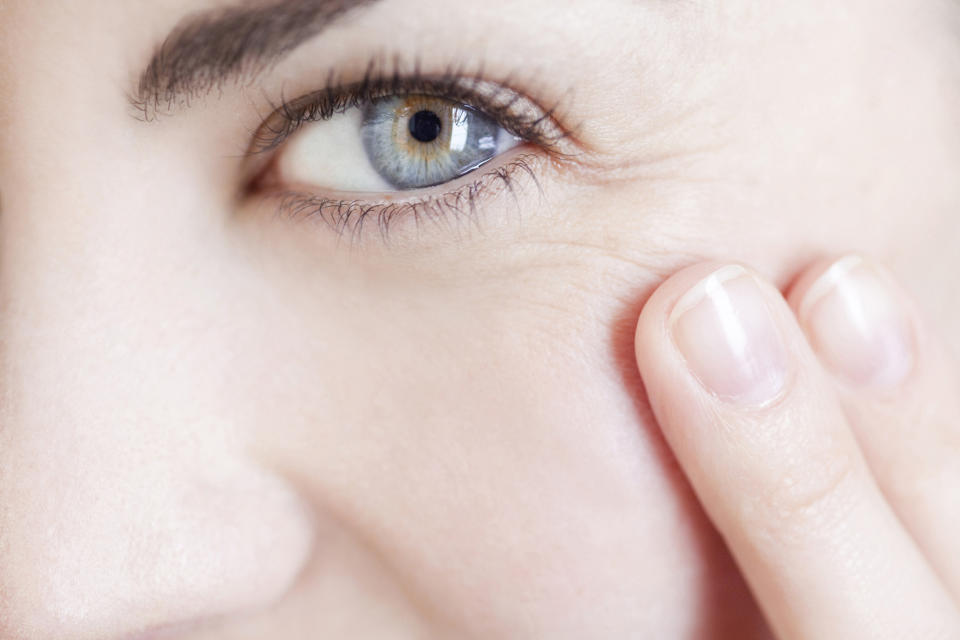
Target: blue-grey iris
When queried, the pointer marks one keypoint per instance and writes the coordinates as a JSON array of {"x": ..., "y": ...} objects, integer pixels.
[{"x": 421, "y": 141}]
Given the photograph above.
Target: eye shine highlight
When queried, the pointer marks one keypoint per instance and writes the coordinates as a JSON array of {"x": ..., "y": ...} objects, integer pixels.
[{"x": 420, "y": 141}]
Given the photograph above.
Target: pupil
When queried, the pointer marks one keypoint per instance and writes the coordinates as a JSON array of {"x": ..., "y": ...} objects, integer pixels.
[{"x": 425, "y": 126}]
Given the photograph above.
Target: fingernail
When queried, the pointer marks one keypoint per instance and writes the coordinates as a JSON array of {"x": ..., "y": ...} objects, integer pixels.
[
  {"x": 725, "y": 330},
  {"x": 858, "y": 327}
]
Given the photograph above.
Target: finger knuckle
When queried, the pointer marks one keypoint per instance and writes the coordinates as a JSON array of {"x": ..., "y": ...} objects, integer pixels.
[{"x": 805, "y": 498}]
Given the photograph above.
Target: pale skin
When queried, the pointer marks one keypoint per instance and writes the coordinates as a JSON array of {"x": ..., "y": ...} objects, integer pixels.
[{"x": 701, "y": 383}]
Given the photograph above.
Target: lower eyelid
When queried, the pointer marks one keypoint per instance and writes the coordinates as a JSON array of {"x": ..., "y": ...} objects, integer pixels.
[{"x": 455, "y": 208}]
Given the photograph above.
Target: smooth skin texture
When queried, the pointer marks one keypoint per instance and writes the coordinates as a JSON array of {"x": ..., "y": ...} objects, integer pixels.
[{"x": 218, "y": 423}]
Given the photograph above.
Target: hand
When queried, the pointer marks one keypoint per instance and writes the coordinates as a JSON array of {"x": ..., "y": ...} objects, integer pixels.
[{"x": 822, "y": 436}]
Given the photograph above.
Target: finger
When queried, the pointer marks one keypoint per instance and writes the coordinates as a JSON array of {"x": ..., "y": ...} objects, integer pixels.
[
  {"x": 757, "y": 428},
  {"x": 901, "y": 392}
]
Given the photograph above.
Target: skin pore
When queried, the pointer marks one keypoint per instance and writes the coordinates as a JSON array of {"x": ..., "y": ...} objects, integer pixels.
[{"x": 222, "y": 420}]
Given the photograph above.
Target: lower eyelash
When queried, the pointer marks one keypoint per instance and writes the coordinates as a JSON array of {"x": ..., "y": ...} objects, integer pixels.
[{"x": 349, "y": 218}]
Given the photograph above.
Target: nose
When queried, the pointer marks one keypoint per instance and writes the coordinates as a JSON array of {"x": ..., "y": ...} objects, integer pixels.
[{"x": 128, "y": 499}]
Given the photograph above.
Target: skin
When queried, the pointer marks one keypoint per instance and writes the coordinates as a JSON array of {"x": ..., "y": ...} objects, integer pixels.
[{"x": 216, "y": 422}]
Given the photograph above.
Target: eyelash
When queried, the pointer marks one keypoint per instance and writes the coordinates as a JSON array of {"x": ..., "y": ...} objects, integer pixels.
[
  {"x": 504, "y": 105},
  {"x": 511, "y": 110},
  {"x": 348, "y": 218}
]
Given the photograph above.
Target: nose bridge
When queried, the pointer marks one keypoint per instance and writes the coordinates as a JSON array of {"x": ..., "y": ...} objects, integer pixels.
[
  {"x": 55, "y": 145},
  {"x": 38, "y": 130},
  {"x": 94, "y": 252},
  {"x": 64, "y": 251},
  {"x": 110, "y": 268},
  {"x": 125, "y": 502}
]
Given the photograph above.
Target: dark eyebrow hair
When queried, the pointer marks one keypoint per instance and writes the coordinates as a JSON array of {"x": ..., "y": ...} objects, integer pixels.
[{"x": 206, "y": 50}]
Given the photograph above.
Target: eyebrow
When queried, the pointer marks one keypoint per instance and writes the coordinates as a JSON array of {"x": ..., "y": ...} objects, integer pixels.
[{"x": 207, "y": 50}]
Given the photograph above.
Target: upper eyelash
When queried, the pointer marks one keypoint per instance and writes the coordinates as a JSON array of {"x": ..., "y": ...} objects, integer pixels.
[{"x": 513, "y": 111}]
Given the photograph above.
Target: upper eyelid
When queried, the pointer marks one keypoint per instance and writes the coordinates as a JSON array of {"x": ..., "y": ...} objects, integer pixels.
[{"x": 512, "y": 109}]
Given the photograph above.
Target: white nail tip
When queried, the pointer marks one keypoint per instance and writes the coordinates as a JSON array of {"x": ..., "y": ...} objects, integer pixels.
[
  {"x": 829, "y": 280},
  {"x": 707, "y": 288}
]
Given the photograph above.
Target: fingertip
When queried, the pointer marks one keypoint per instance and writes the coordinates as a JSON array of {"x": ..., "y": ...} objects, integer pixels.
[
  {"x": 759, "y": 431},
  {"x": 653, "y": 325},
  {"x": 661, "y": 303},
  {"x": 719, "y": 324},
  {"x": 858, "y": 321},
  {"x": 805, "y": 283}
]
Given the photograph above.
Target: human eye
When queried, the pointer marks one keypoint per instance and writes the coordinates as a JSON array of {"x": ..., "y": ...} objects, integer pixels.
[{"x": 395, "y": 148}]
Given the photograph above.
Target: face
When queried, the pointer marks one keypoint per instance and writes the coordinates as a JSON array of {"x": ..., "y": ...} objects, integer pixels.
[{"x": 322, "y": 325}]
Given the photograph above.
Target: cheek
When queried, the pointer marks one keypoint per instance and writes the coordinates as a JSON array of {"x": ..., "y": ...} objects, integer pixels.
[{"x": 488, "y": 436}]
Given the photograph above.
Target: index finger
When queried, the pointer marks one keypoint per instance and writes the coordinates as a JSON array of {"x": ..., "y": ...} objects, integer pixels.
[{"x": 760, "y": 434}]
